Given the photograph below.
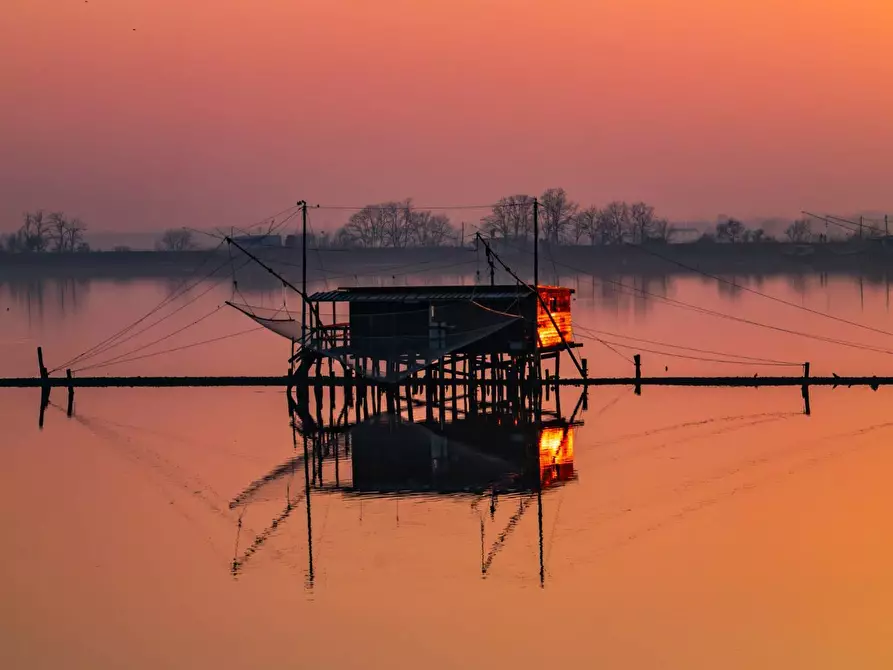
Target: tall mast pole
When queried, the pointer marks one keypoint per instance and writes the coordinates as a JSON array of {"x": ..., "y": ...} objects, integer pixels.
[
  {"x": 536, "y": 244},
  {"x": 303, "y": 204}
]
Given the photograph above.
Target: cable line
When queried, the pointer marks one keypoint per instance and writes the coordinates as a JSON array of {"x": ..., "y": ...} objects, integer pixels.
[
  {"x": 187, "y": 346},
  {"x": 760, "y": 293}
]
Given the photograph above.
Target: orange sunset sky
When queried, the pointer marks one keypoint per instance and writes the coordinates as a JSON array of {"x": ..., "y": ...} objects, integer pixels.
[{"x": 219, "y": 112}]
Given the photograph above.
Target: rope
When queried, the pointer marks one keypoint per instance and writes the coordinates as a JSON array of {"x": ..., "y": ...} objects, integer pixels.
[
  {"x": 722, "y": 315},
  {"x": 760, "y": 293},
  {"x": 153, "y": 343},
  {"x": 689, "y": 357},
  {"x": 108, "y": 348},
  {"x": 177, "y": 292},
  {"x": 753, "y": 359},
  {"x": 187, "y": 346}
]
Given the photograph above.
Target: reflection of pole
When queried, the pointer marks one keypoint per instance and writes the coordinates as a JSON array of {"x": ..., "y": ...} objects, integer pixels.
[
  {"x": 539, "y": 519},
  {"x": 309, "y": 517}
]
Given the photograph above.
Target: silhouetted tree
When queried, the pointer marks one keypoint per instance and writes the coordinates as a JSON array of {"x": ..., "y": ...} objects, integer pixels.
[
  {"x": 395, "y": 224},
  {"x": 731, "y": 230},
  {"x": 67, "y": 235},
  {"x": 584, "y": 225},
  {"x": 34, "y": 235},
  {"x": 799, "y": 231},
  {"x": 557, "y": 214},
  {"x": 364, "y": 228},
  {"x": 612, "y": 221},
  {"x": 431, "y": 230},
  {"x": 511, "y": 218},
  {"x": 641, "y": 222},
  {"x": 662, "y": 231},
  {"x": 176, "y": 239}
]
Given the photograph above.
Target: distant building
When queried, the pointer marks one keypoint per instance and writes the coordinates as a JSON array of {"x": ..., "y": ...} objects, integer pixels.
[
  {"x": 256, "y": 241},
  {"x": 686, "y": 234}
]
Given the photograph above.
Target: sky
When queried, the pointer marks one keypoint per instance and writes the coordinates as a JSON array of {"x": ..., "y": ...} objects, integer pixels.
[{"x": 148, "y": 114}]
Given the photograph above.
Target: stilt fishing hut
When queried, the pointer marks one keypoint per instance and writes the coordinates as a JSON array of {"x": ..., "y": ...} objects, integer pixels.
[{"x": 392, "y": 332}]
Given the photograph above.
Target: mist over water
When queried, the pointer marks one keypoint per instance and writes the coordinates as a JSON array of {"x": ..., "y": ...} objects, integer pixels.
[{"x": 696, "y": 528}]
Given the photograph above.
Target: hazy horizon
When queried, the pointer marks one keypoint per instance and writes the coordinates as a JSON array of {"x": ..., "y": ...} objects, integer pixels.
[{"x": 138, "y": 116}]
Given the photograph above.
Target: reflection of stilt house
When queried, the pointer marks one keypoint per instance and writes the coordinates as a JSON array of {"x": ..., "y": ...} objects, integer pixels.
[{"x": 469, "y": 455}]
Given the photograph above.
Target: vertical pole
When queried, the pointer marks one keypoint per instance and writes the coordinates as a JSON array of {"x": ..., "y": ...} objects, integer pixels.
[
  {"x": 638, "y": 361},
  {"x": 70, "y": 411},
  {"x": 536, "y": 244},
  {"x": 805, "y": 389},
  {"x": 536, "y": 277},
  {"x": 41, "y": 367},
  {"x": 309, "y": 516},
  {"x": 303, "y": 204}
]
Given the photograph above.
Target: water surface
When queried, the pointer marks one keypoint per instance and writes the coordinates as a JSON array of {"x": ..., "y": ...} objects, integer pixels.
[{"x": 703, "y": 528}]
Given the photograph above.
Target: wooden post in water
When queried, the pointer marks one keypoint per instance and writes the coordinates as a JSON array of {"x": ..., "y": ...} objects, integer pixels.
[
  {"x": 804, "y": 390},
  {"x": 44, "y": 388},
  {"x": 70, "y": 411},
  {"x": 41, "y": 367},
  {"x": 638, "y": 361},
  {"x": 585, "y": 364}
]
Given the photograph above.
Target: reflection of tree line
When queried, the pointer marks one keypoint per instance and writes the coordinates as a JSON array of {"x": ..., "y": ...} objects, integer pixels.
[
  {"x": 35, "y": 296},
  {"x": 614, "y": 292}
]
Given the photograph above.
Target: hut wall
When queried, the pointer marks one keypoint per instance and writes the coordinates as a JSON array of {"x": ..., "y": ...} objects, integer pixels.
[{"x": 558, "y": 300}]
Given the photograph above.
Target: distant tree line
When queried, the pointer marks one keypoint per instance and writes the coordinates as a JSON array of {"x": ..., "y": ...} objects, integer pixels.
[
  {"x": 42, "y": 232},
  {"x": 398, "y": 224},
  {"x": 395, "y": 224},
  {"x": 733, "y": 231}
]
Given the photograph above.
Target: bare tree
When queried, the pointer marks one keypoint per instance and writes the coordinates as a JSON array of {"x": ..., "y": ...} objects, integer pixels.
[
  {"x": 364, "y": 228},
  {"x": 58, "y": 229},
  {"x": 67, "y": 235},
  {"x": 730, "y": 231},
  {"x": 75, "y": 235},
  {"x": 557, "y": 214},
  {"x": 612, "y": 221},
  {"x": 584, "y": 225},
  {"x": 176, "y": 239},
  {"x": 662, "y": 231},
  {"x": 431, "y": 230},
  {"x": 799, "y": 231},
  {"x": 641, "y": 222},
  {"x": 511, "y": 218},
  {"x": 396, "y": 220},
  {"x": 35, "y": 232}
]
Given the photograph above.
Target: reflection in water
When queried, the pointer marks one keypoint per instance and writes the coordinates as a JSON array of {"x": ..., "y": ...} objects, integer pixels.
[
  {"x": 37, "y": 298},
  {"x": 489, "y": 454}
]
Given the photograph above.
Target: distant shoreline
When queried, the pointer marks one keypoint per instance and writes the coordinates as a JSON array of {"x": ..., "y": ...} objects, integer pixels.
[{"x": 867, "y": 258}]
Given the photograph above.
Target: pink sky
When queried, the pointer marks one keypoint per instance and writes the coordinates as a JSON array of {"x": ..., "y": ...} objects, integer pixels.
[{"x": 219, "y": 112}]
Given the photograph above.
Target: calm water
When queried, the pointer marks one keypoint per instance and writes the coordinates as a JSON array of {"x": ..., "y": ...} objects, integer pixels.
[{"x": 703, "y": 528}]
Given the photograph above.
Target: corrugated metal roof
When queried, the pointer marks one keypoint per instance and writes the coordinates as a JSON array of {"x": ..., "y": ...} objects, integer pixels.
[{"x": 417, "y": 293}]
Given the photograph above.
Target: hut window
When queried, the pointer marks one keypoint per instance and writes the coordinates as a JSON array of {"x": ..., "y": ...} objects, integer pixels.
[{"x": 553, "y": 304}]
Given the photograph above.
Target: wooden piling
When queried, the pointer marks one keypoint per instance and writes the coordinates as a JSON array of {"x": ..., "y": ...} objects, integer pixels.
[
  {"x": 41, "y": 367},
  {"x": 804, "y": 390},
  {"x": 70, "y": 410},
  {"x": 638, "y": 361}
]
